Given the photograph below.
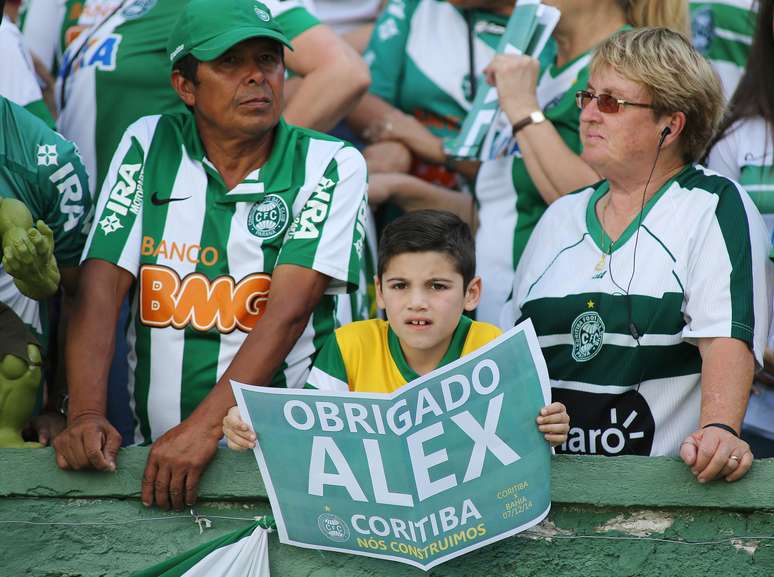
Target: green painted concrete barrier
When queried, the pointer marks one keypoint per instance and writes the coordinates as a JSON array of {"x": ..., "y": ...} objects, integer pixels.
[{"x": 625, "y": 516}]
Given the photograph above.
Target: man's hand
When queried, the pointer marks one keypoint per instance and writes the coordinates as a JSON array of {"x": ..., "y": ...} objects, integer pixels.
[
  {"x": 515, "y": 77},
  {"x": 176, "y": 462},
  {"x": 28, "y": 256},
  {"x": 713, "y": 453},
  {"x": 400, "y": 127},
  {"x": 89, "y": 441}
]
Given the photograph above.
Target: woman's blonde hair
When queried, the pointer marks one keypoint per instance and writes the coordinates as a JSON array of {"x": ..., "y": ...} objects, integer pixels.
[
  {"x": 650, "y": 13},
  {"x": 676, "y": 76}
]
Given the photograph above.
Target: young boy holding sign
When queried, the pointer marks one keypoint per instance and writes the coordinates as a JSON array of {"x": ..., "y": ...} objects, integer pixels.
[{"x": 426, "y": 280}]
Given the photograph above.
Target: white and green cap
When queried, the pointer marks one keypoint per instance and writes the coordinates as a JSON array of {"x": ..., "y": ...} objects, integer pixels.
[{"x": 207, "y": 28}]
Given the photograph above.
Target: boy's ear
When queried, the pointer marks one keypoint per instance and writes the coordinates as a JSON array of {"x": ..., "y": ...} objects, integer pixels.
[
  {"x": 473, "y": 294},
  {"x": 379, "y": 297}
]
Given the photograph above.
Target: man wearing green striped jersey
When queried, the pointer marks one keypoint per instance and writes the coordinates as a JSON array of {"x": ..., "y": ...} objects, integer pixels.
[
  {"x": 722, "y": 31},
  {"x": 233, "y": 231}
]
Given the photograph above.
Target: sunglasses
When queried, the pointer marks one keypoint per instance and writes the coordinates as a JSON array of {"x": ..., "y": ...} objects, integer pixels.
[{"x": 605, "y": 102}]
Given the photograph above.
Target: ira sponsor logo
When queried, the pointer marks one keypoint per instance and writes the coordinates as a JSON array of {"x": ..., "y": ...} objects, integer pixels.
[
  {"x": 182, "y": 252},
  {"x": 101, "y": 53},
  {"x": 201, "y": 303},
  {"x": 314, "y": 212},
  {"x": 125, "y": 196},
  {"x": 71, "y": 195}
]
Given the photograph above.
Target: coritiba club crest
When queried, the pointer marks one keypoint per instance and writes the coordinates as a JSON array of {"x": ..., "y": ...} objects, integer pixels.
[{"x": 587, "y": 331}]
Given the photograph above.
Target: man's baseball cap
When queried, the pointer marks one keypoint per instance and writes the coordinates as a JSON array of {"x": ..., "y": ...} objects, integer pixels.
[{"x": 207, "y": 28}]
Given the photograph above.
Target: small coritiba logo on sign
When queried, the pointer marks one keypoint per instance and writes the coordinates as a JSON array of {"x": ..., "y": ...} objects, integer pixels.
[{"x": 333, "y": 527}]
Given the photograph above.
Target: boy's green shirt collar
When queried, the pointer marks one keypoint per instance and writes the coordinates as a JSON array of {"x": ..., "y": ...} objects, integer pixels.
[{"x": 453, "y": 353}]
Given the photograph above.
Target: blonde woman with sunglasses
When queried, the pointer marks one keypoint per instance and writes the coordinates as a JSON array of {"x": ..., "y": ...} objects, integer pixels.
[{"x": 647, "y": 290}]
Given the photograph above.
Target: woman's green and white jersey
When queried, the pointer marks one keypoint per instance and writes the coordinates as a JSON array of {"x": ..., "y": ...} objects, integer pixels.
[
  {"x": 45, "y": 172},
  {"x": 631, "y": 380},
  {"x": 746, "y": 154},
  {"x": 723, "y": 31},
  {"x": 420, "y": 59},
  {"x": 509, "y": 203},
  {"x": 118, "y": 70},
  {"x": 203, "y": 256},
  {"x": 18, "y": 81}
]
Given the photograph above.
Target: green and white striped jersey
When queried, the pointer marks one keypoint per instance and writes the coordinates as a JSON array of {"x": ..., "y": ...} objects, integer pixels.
[
  {"x": 628, "y": 367},
  {"x": 426, "y": 73},
  {"x": 18, "y": 81},
  {"x": 45, "y": 172},
  {"x": 509, "y": 204},
  {"x": 746, "y": 155},
  {"x": 723, "y": 31},
  {"x": 118, "y": 70},
  {"x": 202, "y": 256}
]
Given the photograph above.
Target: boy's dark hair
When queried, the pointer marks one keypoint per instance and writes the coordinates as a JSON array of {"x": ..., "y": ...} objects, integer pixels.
[{"x": 430, "y": 231}]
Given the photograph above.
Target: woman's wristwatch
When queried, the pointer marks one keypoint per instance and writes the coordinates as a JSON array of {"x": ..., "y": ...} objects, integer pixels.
[{"x": 534, "y": 118}]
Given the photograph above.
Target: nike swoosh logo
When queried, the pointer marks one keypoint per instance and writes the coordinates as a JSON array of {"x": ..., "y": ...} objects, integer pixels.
[{"x": 162, "y": 201}]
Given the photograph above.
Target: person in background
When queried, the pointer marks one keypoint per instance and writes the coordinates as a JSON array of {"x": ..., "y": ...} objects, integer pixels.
[
  {"x": 512, "y": 192},
  {"x": 743, "y": 150},
  {"x": 44, "y": 171},
  {"x": 18, "y": 80},
  {"x": 424, "y": 57},
  {"x": 353, "y": 20},
  {"x": 648, "y": 290},
  {"x": 722, "y": 31}
]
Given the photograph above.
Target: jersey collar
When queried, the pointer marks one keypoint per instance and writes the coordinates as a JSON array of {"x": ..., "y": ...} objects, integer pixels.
[
  {"x": 594, "y": 226},
  {"x": 453, "y": 353},
  {"x": 275, "y": 176}
]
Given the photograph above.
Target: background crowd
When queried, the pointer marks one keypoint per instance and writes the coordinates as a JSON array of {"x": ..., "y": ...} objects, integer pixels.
[{"x": 660, "y": 260}]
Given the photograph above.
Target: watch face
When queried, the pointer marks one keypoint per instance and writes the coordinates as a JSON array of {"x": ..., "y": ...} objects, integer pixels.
[{"x": 537, "y": 116}]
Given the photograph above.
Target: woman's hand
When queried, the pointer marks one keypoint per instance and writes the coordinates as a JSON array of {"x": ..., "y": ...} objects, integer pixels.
[
  {"x": 713, "y": 453},
  {"x": 515, "y": 77},
  {"x": 554, "y": 423},
  {"x": 239, "y": 437},
  {"x": 406, "y": 129}
]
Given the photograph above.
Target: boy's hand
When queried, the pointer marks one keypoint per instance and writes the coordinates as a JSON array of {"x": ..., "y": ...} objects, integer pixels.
[
  {"x": 554, "y": 423},
  {"x": 239, "y": 437}
]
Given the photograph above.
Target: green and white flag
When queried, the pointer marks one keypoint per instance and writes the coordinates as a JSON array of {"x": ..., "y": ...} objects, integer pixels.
[
  {"x": 242, "y": 553},
  {"x": 528, "y": 30},
  {"x": 449, "y": 463}
]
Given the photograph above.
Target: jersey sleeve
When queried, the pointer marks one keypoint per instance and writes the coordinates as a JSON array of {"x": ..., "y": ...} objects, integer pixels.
[
  {"x": 68, "y": 208},
  {"x": 115, "y": 232},
  {"x": 329, "y": 372},
  {"x": 723, "y": 156},
  {"x": 328, "y": 233},
  {"x": 292, "y": 17},
  {"x": 726, "y": 293},
  {"x": 386, "y": 52}
]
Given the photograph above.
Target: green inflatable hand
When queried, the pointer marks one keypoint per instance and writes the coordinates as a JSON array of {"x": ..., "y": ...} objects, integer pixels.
[
  {"x": 19, "y": 381},
  {"x": 28, "y": 252}
]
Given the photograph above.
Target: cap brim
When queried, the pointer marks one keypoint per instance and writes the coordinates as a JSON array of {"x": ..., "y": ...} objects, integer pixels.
[{"x": 216, "y": 46}]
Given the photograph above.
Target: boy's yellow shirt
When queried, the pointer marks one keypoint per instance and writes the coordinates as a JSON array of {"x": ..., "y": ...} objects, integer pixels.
[{"x": 366, "y": 357}]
